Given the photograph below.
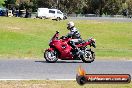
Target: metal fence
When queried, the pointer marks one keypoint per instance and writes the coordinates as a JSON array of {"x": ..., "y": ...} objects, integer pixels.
[
  {"x": 34, "y": 14},
  {"x": 94, "y": 15}
]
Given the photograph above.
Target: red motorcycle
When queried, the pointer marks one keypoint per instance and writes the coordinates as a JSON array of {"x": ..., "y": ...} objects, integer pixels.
[{"x": 60, "y": 49}]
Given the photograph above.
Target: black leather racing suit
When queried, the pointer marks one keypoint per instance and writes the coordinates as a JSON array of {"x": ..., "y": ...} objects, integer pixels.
[{"x": 76, "y": 37}]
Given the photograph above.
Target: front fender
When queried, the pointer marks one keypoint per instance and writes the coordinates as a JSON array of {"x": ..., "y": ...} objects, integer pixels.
[{"x": 50, "y": 49}]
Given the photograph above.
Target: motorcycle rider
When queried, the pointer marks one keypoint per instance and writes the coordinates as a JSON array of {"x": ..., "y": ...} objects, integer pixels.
[{"x": 75, "y": 35}]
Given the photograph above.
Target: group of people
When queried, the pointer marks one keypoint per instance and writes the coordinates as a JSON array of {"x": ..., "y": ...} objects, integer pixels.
[
  {"x": 16, "y": 13},
  {"x": 21, "y": 13}
]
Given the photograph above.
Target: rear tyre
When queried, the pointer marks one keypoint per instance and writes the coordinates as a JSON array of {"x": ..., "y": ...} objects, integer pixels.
[
  {"x": 50, "y": 56},
  {"x": 88, "y": 57}
]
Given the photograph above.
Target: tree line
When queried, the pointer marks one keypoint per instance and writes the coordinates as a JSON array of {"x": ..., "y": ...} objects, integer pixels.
[{"x": 98, "y": 7}]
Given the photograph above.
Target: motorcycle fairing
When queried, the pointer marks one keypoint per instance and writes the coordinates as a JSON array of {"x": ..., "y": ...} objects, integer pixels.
[{"x": 63, "y": 48}]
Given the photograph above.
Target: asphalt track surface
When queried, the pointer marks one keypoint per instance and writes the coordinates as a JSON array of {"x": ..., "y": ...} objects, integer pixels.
[
  {"x": 39, "y": 69},
  {"x": 111, "y": 19}
]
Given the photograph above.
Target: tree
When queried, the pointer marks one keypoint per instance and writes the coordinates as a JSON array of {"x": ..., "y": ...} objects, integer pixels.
[
  {"x": 93, "y": 7},
  {"x": 129, "y": 3},
  {"x": 34, "y": 6},
  {"x": 98, "y": 6},
  {"x": 68, "y": 6},
  {"x": 46, "y": 3},
  {"x": 7, "y": 2},
  {"x": 112, "y": 7},
  {"x": 1, "y": 2}
]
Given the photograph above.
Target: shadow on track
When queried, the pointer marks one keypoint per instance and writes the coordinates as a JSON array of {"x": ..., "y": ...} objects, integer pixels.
[{"x": 62, "y": 61}]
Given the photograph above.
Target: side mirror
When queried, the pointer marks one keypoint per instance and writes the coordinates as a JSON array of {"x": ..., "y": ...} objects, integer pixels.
[
  {"x": 57, "y": 32},
  {"x": 93, "y": 44}
]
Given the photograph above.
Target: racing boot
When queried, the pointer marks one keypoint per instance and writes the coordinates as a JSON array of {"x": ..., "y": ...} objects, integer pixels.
[{"x": 78, "y": 52}]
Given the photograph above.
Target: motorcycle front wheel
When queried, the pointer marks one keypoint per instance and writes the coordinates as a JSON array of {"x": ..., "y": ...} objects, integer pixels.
[
  {"x": 50, "y": 56},
  {"x": 88, "y": 57}
]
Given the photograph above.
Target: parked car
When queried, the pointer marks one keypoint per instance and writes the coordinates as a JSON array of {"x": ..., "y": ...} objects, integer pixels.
[{"x": 3, "y": 11}]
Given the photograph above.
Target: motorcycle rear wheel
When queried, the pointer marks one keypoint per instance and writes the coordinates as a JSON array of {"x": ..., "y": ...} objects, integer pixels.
[{"x": 50, "y": 56}]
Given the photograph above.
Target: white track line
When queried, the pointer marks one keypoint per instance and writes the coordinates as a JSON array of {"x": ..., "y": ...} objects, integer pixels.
[{"x": 129, "y": 60}]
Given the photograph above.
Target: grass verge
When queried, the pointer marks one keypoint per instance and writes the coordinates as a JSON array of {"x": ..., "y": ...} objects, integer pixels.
[
  {"x": 22, "y": 38},
  {"x": 56, "y": 84}
]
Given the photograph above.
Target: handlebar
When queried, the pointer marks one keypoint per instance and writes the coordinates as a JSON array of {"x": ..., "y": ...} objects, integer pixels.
[
  {"x": 92, "y": 42},
  {"x": 63, "y": 37}
]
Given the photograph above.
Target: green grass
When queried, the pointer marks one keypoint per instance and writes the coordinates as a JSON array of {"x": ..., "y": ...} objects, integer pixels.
[
  {"x": 21, "y": 37},
  {"x": 56, "y": 84}
]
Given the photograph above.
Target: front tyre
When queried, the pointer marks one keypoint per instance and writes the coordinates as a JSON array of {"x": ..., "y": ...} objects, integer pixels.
[
  {"x": 88, "y": 57},
  {"x": 50, "y": 56}
]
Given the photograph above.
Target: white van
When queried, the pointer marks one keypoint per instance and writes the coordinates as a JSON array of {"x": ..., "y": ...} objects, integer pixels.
[{"x": 54, "y": 14}]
